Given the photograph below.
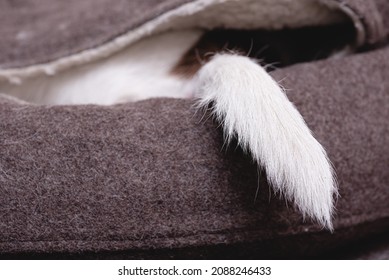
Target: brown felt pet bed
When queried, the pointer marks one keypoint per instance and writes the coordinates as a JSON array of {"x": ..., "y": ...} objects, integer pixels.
[{"x": 149, "y": 179}]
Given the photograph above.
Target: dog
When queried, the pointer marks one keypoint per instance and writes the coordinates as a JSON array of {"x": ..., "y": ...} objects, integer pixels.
[{"x": 224, "y": 70}]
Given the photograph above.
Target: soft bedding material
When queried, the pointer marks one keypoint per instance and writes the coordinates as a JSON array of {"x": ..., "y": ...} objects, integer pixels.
[{"x": 152, "y": 179}]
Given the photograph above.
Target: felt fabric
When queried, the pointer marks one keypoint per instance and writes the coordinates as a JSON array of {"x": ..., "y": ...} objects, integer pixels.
[
  {"x": 73, "y": 34},
  {"x": 152, "y": 179},
  {"x": 151, "y": 175},
  {"x": 382, "y": 5},
  {"x": 39, "y": 31}
]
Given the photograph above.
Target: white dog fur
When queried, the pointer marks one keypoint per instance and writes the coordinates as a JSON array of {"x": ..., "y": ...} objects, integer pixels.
[
  {"x": 246, "y": 100},
  {"x": 252, "y": 107}
]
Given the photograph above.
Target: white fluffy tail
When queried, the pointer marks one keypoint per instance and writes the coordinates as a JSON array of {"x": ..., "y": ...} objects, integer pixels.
[{"x": 252, "y": 107}]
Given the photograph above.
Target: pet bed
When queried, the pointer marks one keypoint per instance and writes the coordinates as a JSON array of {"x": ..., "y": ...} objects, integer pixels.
[{"x": 152, "y": 179}]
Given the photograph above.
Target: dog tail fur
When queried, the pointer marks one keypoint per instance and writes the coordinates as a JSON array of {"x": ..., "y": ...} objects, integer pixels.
[{"x": 252, "y": 107}]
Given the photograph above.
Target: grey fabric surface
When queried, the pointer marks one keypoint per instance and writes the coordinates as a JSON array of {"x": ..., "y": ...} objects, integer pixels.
[
  {"x": 150, "y": 175},
  {"x": 149, "y": 178},
  {"x": 38, "y": 31},
  {"x": 383, "y": 7}
]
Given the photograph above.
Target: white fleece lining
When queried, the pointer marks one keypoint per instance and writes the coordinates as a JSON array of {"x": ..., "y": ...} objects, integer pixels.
[{"x": 270, "y": 14}]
